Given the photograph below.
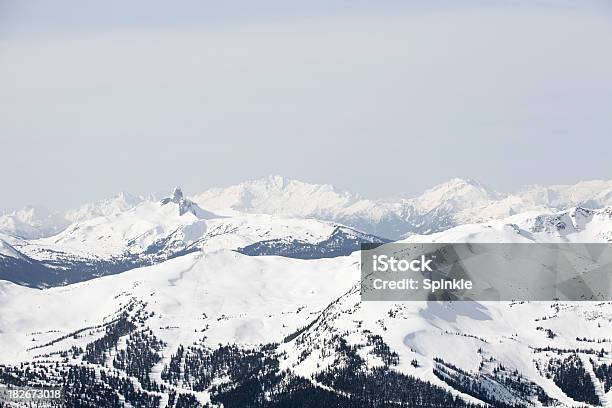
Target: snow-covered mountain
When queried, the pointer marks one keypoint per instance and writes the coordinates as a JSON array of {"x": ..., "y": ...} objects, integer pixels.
[
  {"x": 32, "y": 222},
  {"x": 268, "y": 216},
  {"x": 38, "y": 222},
  {"x": 119, "y": 203},
  {"x": 242, "y": 297},
  {"x": 154, "y": 231},
  {"x": 221, "y": 327},
  {"x": 578, "y": 224},
  {"x": 385, "y": 217},
  {"x": 455, "y": 202},
  {"x": 449, "y": 204}
]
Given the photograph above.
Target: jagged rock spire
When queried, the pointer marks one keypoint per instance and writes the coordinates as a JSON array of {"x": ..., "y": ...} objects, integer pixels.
[
  {"x": 185, "y": 205},
  {"x": 177, "y": 193}
]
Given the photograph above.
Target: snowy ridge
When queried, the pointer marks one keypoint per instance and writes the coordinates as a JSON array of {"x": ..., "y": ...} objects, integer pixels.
[
  {"x": 190, "y": 299},
  {"x": 449, "y": 204},
  {"x": 455, "y": 202},
  {"x": 311, "y": 310},
  {"x": 277, "y": 195},
  {"x": 32, "y": 222},
  {"x": 7, "y": 250},
  {"x": 152, "y": 232},
  {"x": 119, "y": 203},
  {"x": 37, "y": 222}
]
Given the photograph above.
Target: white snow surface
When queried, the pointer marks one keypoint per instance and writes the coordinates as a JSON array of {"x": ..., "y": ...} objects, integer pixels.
[
  {"x": 37, "y": 221},
  {"x": 244, "y": 300},
  {"x": 456, "y": 202},
  {"x": 135, "y": 229},
  {"x": 464, "y": 201},
  {"x": 218, "y": 296}
]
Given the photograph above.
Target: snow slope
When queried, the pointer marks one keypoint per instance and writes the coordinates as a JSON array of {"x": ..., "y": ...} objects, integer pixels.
[
  {"x": 242, "y": 299},
  {"x": 220, "y": 296},
  {"x": 154, "y": 231},
  {"x": 186, "y": 283},
  {"x": 7, "y": 250},
  {"x": 119, "y": 203}
]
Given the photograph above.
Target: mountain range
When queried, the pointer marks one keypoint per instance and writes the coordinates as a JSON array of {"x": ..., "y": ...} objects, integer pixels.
[
  {"x": 455, "y": 202},
  {"x": 249, "y": 296}
]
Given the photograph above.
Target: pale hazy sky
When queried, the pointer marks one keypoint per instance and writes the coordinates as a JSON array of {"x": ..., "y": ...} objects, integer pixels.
[{"x": 379, "y": 98}]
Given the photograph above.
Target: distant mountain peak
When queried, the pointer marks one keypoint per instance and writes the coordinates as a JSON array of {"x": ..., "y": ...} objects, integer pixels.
[
  {"x": 177, "y": 193},
  {"x": 456, "y": 183},
  {"x": 456, "y": 194},
  {"x": 278, "y": 181},
  {"x": 128, "y": 198},
  {"x": 32, "y": 222},
  {"x": 185, "y": 205}
]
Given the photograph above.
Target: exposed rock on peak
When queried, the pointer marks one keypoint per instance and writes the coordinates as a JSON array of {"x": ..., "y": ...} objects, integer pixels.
[
  {"x": 185, "y": 205},
  {"x": 177, "y": 193}
]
